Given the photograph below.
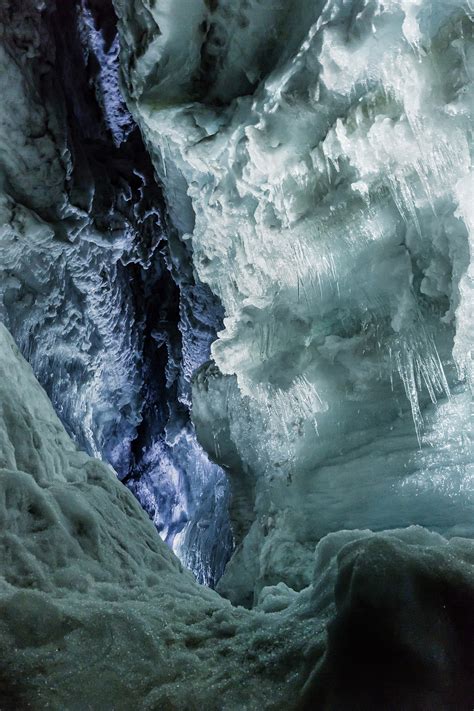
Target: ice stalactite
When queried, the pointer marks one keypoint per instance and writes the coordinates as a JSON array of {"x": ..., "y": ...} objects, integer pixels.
[{"x": 320, "y": 171}]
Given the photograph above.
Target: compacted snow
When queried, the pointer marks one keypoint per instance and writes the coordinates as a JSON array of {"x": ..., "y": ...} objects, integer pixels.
[{"x": 97, "y": 612}]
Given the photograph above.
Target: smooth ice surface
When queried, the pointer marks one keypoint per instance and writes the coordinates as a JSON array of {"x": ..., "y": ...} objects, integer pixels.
[{"x": 317, "y": 157}]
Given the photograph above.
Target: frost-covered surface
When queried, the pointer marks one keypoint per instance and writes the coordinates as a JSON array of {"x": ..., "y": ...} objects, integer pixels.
[
  {"x": 184, "y": 492},
  {"x": 317, "y": 157},
  {"x": 105, "y": 50},
  {"x": 314, "y": 158},
  {"x": 108, "y": 319},
  {"x": 96, "y": 612}
]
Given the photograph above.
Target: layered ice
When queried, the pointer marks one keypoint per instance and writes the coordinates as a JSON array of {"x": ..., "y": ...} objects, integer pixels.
[{"x": 317, "y": 158}]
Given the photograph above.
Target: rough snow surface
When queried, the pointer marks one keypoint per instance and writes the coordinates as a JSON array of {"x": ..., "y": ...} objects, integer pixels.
[{"x": 96, "y": 612}]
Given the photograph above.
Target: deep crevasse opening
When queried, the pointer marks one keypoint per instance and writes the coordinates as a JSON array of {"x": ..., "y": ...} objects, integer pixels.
[{"x": 111, "y": 317}]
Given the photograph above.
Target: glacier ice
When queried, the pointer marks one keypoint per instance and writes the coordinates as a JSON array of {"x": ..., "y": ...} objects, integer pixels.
[
  {"x": 314, "y": 158},
  {"x": 321, "y": 171}
]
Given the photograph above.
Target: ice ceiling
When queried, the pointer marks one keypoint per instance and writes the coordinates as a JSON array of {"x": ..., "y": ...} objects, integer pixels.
[{"x": 236, "y": 252}]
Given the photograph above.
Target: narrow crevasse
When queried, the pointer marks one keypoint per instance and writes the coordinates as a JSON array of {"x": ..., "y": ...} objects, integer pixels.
[{"x": 112, "y": 322}]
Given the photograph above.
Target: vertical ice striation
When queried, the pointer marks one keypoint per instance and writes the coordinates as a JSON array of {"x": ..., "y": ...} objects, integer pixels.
[{"x": 317, "y": 158}]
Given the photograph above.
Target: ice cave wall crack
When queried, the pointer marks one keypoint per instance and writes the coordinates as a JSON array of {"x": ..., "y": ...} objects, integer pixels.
[{"x": 112, "y": 324}]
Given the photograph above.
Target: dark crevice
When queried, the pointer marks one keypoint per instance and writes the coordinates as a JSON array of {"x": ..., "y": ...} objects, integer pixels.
[{"x": 167, "y": 320}]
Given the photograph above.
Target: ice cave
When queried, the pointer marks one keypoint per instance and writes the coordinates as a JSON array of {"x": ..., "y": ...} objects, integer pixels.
[{"x": 237, "y": 306}]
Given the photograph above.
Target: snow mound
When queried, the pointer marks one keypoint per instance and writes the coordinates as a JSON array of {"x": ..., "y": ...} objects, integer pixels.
[{"x": 96, "y": 611}]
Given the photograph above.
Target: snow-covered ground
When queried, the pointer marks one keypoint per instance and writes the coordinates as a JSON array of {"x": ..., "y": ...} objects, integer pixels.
[{"x": 97, "y": 612}]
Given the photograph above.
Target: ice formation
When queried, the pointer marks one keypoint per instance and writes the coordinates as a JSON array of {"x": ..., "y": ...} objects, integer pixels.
[
  {"x": 315, "y": 163},
  {"x": 321, "y": 171}
]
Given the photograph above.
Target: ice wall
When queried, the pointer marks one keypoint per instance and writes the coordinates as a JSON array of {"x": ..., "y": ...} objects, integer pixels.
[
  {"x": 316, "y": 155},
  {"x": 108, "y": 315},
  {"x": 76, "y": 223}
]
